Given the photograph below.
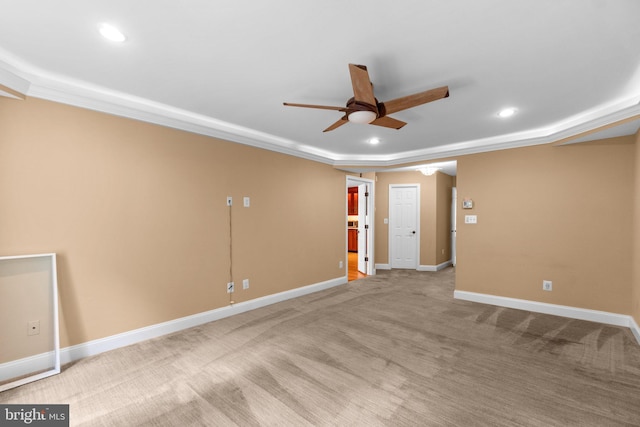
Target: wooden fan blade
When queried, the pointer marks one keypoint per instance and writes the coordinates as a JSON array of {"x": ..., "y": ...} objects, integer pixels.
[
  {"x": 337, "y": 124},
  {"x": 414, "y": 100},
  {"x": 362, "y": 87},
  {"x": 321, "y": 107},
  {"x": 388, "y": 122}
]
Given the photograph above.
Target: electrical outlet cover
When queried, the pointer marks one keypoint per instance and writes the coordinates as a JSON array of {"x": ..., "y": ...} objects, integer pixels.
[{"x": 33, "y": 327}]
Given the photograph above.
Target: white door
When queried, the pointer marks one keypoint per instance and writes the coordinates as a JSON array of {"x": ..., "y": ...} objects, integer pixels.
[
  {"x": 363, "y": 227},
  {"x": 454, "y": 201},
  {"x": 403, "y": 226}
]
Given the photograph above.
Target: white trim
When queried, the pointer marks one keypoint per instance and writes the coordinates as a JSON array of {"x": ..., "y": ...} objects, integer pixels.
[
  {"x": 371, "y": 267},
  {"x": 420, "y": 267},
  {"x": 25, "y": 366},
  {"x": 15, "y": 84},
  {"x": 39, "y": 83},
  {"x": 635, "y": 329},
  {"x": 30, "y": 368},
  {"x": 438, "y": 267},
  {"x": 553, "y": 309},
  {"x": 593, "y": 119},
  {"x": 90, "y": 348},
  {"x": 52, "y": 255},
  {"x": 123, "y": 105}
]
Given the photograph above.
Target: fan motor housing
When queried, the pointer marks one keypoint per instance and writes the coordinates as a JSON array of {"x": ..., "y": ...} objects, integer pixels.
[{"x": 354, "y": 105}]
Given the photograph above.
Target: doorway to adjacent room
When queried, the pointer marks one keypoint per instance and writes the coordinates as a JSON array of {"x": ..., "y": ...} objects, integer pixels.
[{"x": 359, "y": 227}]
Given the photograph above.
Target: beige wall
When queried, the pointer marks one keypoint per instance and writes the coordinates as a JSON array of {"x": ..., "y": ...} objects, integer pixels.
[
  {"x": 136, "y": 213},
  {"x": 635, "y": 296},
  {"x": 435, "y": 212},
  {"x": 550, "y": 213}
]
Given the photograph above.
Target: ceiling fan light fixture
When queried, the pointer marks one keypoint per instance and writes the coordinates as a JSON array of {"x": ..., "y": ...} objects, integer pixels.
[{"x": 362, "y": 117}]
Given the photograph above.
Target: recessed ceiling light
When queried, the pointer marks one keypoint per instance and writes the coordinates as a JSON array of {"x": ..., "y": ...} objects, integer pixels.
[
  {"x": 507, "y": 112},
  {"x": 374, "y": 141},
  {"x": 110, "y": 32}
]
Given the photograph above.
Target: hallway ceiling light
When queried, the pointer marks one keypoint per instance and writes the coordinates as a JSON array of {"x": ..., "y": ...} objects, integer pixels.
[
  {"x": 374, "y": 141},
  {"x": 428, "y": 171}
]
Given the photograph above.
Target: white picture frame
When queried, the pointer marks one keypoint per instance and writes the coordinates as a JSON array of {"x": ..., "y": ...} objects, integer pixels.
[{"x": 23, "y": 279}]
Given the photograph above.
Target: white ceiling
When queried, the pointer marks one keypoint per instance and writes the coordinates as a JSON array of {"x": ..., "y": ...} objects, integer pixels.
[{"x": 225, "y": 67}]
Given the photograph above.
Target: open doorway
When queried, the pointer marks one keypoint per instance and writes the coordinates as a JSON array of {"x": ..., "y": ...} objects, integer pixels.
[{"x": 359, "y": 228}]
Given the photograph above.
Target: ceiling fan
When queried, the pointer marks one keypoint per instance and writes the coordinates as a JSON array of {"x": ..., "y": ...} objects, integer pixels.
[{"x": 365, "y": 108}]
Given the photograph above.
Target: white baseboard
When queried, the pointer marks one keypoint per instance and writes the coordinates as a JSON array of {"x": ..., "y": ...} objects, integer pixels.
[
  {"x": 38, "y": 362},
  {"x": 554, "y": 309},
  {"x": 435, "y": 267},
  {"x": 27, "y": 366},
  {"x": 635, "y": 329},
  {"x": 420, "y": 267}
]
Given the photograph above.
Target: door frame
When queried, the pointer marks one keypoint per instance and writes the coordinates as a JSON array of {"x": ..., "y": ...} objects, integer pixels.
[
  {"x": 363, "y": 229},
  {"x": 454, "y": 226},
  {"x": 354, "y": 181},
  {"x": 390, "y": 228}
]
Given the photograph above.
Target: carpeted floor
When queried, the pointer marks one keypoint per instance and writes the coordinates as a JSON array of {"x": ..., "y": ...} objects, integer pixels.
[{"x": 393, "y": 349}]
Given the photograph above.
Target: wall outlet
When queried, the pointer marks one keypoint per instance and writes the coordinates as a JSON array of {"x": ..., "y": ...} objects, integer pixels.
[
  {"x": 246, "y": 201},
  {"x": 230, "y": 287},
  {"x": 245, "y": 284},
  {"x": 229, "y": 201},
  {"x": 340, "y": 264},
  {"x": 33, "y": 327},
  {"x": 547, "y": 285}
]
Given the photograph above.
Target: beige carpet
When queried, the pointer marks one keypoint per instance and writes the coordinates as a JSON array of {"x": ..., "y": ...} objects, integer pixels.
[{"x": 390, "y": 350}]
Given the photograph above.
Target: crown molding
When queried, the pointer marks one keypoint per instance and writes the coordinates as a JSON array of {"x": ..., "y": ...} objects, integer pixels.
[
  {"x": 561, "y": 132},
  {"x": 12, "y": 85},
  {"x": 25, "y": 79},
  {"x": 124, "y": 105}
]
